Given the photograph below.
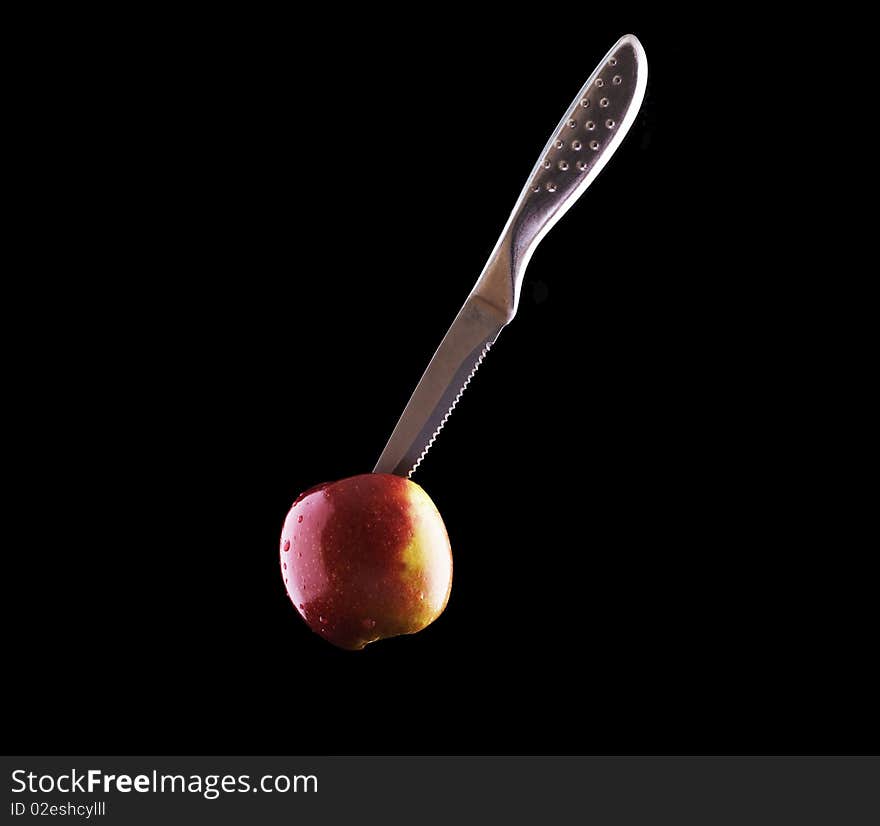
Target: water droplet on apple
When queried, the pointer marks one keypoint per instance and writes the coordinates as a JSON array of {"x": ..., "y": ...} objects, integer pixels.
[
  {"x": 369, "y": 623},
  {"x": 299, "y": 519},
  {"x": 286, "y": 545},
  {"x": 322, "y": 620},
  {"x": 300, "y": 554},
  {"x": 421, "y": 594},
  {"x": 302, "y": 607},
  {"x": 285, "y": 568}
]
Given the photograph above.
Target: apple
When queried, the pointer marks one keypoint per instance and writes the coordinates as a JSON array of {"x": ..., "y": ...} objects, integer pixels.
[{"x": 366, "y": 558}]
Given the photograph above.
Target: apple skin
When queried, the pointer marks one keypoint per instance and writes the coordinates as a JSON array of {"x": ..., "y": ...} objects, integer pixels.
[{"x": 366, "y": 558}]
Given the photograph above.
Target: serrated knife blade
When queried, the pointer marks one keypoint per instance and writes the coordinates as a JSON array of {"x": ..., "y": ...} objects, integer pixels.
[
  {"x": 475, "y": 328},
  {"x": 586, "y": 137}
]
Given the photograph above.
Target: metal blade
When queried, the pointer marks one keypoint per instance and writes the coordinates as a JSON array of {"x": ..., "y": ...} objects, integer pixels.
[{"x": 473, "y": 332}]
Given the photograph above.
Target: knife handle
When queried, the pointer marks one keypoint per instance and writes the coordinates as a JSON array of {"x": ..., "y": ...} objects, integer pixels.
[{"x": 583, "y": 142}]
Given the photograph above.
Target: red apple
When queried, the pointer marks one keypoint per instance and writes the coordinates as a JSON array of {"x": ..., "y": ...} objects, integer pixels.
[{"x": 366, "y": 558}]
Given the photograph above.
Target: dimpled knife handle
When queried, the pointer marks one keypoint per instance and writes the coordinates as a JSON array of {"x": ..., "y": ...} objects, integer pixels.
[{"x": 585, "y": 139}]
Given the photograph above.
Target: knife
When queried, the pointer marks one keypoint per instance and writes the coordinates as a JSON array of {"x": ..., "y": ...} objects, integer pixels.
[{"x": 586, "y": 137}]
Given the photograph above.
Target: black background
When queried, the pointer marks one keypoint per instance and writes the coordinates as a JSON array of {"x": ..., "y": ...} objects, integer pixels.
[{"x": 248, "y": 251}]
